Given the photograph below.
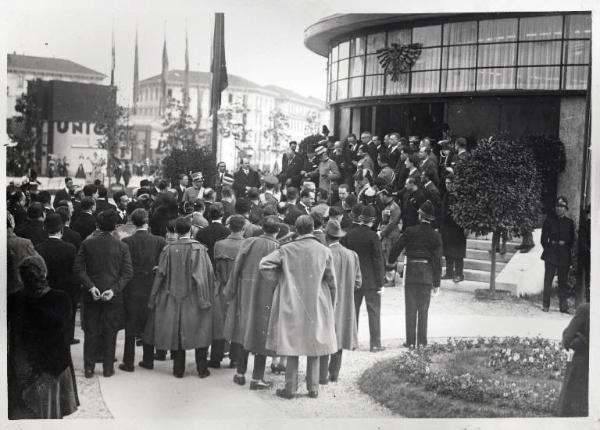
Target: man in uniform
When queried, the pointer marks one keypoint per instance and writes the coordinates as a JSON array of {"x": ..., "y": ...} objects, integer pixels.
[
  {"x": 196, "y": 190},
  {"x": 423, "y": 272},
  {"x": 390, "y": 227},
  {"x": 558, "y": 237}
]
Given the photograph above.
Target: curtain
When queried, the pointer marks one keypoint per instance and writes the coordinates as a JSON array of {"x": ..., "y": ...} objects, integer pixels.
[
  {"x": 398, "y": 87},
  {"x": 344, "y": 50},
  {"x": 498, "y": 30},
  {"x": 357, "y": 67},
  {"x": 541, "y": 27},
  {"x": 342, "y": 89},
  {"x": 425, "y": 82},
  {"x": 373, "y": 66},
  {"x": 543, "y": 53},
  {"x": 357, "y": 46},
  {"x": 333, "y": 72},
  {"x": 460, "y": 33},
  {"x": 455, "y": 57},
  {"x": 578, "y": 26},
  {"x": 428, "y": 36},
  {"x": 374, "y": 85},
  {"x": 356, "y": 87},
  {"x": 496, "y": 79},
  {"x": 401, "y": 37},
  {"x": 577, "y": 52},
  {"x": 458, "y": 80},
  {"x": 374, "y": 42},
  {"x": 538, "y": 78},
  {"x": 575, "y": 77},
  {"x": 343, "y": 69},
  {"x": 429, "y": 59}
]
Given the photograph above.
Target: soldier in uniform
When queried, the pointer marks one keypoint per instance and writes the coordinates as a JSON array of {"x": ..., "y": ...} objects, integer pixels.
[
  {"x": 423, "y": 247},
  {"x": 558, "y": 236},
  {"x": 390, "y": 227}
]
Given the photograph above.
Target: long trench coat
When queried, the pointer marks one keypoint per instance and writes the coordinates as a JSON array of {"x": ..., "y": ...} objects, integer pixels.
[
  {"x": 348, "y": 279},
  {"x": 453, "y": 235},
  {"x": 302, "y": 317},
  {"x": 181, "y": 299},
  {"x": 250, "y": 295}
]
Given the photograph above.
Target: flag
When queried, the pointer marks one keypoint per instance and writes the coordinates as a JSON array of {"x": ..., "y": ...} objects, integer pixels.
[
  {"x": 112, "y": 66},
  {"x": 163, "y": 79},
  {"x": 136, "y": 78},
  {"x": 186, "y": 78},
  {"x": 218, "y": 68}
]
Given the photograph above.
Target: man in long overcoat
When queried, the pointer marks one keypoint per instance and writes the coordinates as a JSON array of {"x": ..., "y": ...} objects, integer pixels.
[
  {"x": 453, "y": 235},
  {"x": 104, "y": 265},
  {"x": 423, "y": 272},
  {"x": 145, "y": 249},
  {"x": 558, "y": 237},
  {"x": 252, "y": 295},
  {"x": 226, "y": 251},
  {"x": 245, "y": 178},
  {"x": 348, "y": 278},
  {"x": 302, "y": 316},
  {"x": 365, "y": 242},
  {"x": 292, "y": 163},
  {"x": 181, "y": 301}
]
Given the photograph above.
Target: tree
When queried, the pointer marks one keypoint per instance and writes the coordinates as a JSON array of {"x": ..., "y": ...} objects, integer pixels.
[
  {"x": 277, "y": 132},
  {"x": 186, "y": 147},
  {"x": 497, "y": 189},
  {"x": 25, "y": 133},
  {"x": 111, "y": 118},
  {"x": 233, "y": 122},
  {"x": 312, "y": 123}
]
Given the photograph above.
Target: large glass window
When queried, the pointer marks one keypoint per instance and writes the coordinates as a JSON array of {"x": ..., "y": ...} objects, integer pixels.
[{"x": 546, "y": 52}]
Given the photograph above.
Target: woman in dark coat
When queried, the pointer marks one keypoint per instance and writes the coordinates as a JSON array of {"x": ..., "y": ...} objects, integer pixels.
[
  {"x": 573, "y": 401},
  {"x": 453, "y": 236},
  {"x": 41, "y": 380}
]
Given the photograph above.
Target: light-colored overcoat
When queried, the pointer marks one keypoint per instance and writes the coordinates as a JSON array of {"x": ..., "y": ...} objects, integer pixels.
[
  {"x": 302, "y": 317},
  {"x": 348, "y": 278},
  {"x": 250, "y": 295},
  {"x": 181, "y": 299}
]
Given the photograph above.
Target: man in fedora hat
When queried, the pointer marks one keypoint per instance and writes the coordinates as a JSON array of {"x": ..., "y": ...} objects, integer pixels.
[
  {"x": 365, "y": 242},
  {"x": 558, "y": 236},
  {"x": 423, "y": 272},
  {"x": 328, "y": 171},
  {"x": 346, "y": 266},
  {"x": 196, "y": 190}
]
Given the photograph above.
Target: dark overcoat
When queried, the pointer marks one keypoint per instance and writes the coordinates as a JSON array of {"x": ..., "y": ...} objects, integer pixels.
[
  {"x": 453, "y": 235},
  {"x": 59, "y": 257},
  {"x": 145, "y": 249},
  {"x": 367, "y": 245},
  {"x": 554, "y": 230}
]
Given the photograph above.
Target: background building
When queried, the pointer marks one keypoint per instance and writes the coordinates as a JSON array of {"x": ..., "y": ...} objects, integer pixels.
[
  {"x": 23, "y": 68},
  {"x": 259, "y": 101},
  {"x": 522, "y": 72}
]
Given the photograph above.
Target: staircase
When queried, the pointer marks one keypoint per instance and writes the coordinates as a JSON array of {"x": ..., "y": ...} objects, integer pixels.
[{"x": 477, "y": 266}]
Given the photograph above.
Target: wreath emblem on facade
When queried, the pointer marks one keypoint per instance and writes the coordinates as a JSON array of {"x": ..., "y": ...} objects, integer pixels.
[{"x": 398, "y": 58}]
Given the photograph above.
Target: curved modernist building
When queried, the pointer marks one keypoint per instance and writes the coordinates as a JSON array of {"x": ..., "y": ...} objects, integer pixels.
[{"x": 478, "y": 73}]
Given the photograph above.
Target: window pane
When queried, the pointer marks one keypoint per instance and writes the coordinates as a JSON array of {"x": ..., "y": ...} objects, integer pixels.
[
  {"x": 334, "y": 53},
  {"x": 398, "y": 87},
  {"x": 498, "y": 30},
  {"x": 332, "y": 91},
  {"x": 458, "y": 80},
  {"x": 357, "y": 66},
  {"x": 534, "y": 53},
  {"x": 460, "y": 33},
  {"x": 459, "y": 56},
  {"x": 425, "y": 82},
  {"x": 538, "y": 78},
  {"x": 356, "y": 87},
  {"x": 541, "y": 27},
  {"x": 342, "y": 89},
  {"x": 578, "y": 26},
  {"x": 577, "y": 52},
  {"x": 428, "y": 36},
  {"x": 357, "y": 46},
  {"x": 575, "y": 78},
  {"x": 375, "y": 41},
  {"x": 343, "y": 69},
  {"x": 496, "y": 79},
  {"x": 429, "y": 59},
  {"x": 344, "y": 50},
  {"x": 373, "y": 66},
  {"x": 334, "y": 70},
  {"x": 374, "y": 85},
  {"x": 402, "y": 37},
  {"x": 502, "y": 54}
]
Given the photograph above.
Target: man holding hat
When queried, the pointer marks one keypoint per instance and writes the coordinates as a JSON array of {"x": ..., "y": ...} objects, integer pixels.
[
  {"x": 328, "y": 171},
  {"x": 365, "y": 242},
  {"x": 423, "y": 272},
  {"x": 196, "y": 190},
  {"x": 558, "y": 236},
  {"x": 348, "y": 278},
  {"x": 219, "y": 178}
]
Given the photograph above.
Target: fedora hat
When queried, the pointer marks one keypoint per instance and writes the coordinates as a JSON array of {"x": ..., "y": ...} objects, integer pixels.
[
  {"x": 426, "y": 211},
  {"x": 334, "y": 229},
  {"x": 367, "y": 215},
  {"x": 227, "y": 179},
  {"x": 320, "y": 150},
  {"x": 271, "y": 180}
]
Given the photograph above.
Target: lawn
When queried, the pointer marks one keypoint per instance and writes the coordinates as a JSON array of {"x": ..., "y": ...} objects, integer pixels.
[{"x": 513, "y": 377}]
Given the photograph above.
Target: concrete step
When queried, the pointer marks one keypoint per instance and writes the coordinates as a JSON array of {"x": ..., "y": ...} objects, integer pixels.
[
  {"x": 471, "y": 286},
  {"x": 486, "y": 245},
  {"x": 480, "y": 254},
  {"x": 484, "y": 265},
  {"x": 477, "y": 275}
]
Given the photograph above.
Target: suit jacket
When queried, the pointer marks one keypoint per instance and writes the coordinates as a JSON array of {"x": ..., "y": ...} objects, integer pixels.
[
  {"x": 85, "y": 224},
  {"x": 71, "y": 236},
  {"x": 432, "y": 193},
  {"x": 18, "y": 248},
  {"x": 228, "y": 209},
  {"x": 62, "y": 195},
  {"x": 367, "y": 245},
  {"x": 32, "y": 230},
  {"x": 430, "y": 165},
  {"x": 59, "y": 256},
  {"x": 179, "y": 193},
  {"x": 303, "y": 209},
  {"x": 210, "y": 235},
  {"x": 291, "y": 168},
  {"x": 103, "y": 205},
  {"x": 411, "y": 202},
  {"x": 241, "y": 181}
]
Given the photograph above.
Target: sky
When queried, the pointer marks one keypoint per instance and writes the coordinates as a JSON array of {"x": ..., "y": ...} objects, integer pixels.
[{"x": 264, "y": 38}]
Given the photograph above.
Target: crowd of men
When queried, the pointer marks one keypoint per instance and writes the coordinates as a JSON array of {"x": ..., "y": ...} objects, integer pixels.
[{"x": 237, "y": 264}]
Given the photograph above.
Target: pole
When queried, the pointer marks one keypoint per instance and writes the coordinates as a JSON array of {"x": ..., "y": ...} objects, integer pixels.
[{"x": 214, "y": 133}]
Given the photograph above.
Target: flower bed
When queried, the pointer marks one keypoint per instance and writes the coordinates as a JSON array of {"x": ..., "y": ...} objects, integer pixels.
[{"x": 520, "y": 375}]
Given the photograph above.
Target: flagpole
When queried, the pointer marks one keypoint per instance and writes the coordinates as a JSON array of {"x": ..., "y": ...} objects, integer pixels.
[{"x": 218, "y": 78}]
